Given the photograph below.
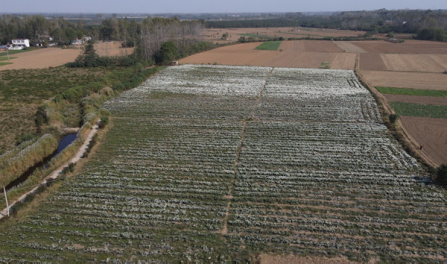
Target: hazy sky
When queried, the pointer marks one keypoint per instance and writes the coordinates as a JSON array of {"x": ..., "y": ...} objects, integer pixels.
[{"x": 210, "y": 6}]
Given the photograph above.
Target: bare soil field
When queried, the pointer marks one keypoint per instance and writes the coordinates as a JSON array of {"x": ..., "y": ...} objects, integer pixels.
[
  {"x": 215, "y": 34},
  {"x": 431, "y": 133},
  {"x": 350, "y": 47},
  {"x": 372, "y": 62},
  {"x": 321, "y": 46},
  {"x": 344, "y": 61},
  {"x": 42, "y": 58},
  {"x": 416, "y": 99},
  {"x": 382, "y": 47},
  {"x": 112, "y": 48},
  {"x": 408, "y": 47},
  {"x": 293, "y": 54},
  {"x": 429, "y": 81},
  {"x": 268, "y": 259},
  {"x": 412, "y": 63}
]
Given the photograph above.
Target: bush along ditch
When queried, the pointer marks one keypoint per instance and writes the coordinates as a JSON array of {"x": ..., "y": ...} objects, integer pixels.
[
  {"x": 41, "y": 173},
  {"x": 14, "y": 163},
  {"x": 93, "y": 142}
]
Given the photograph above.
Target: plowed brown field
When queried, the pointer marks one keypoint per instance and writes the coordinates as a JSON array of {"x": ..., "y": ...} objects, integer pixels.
[
  {"x": 112, "y": 48},
  {"x": 416, "y": 99},
  {"x": 42, "y": 58},
  {"x": 321, "y": 46},
  {"x": 429, "y": 81},
  {"x": 431, "y": 133},
  {"x": 372, "y": 62},
  {"x": 344, "y": 61},
  {"x": 350, "y": 47},
  {"x": 383, "y": 47},
  {"x": 293, "y": 54},
  {"x": 412, "y": 62},
  {"x": 215, "y": 34}
]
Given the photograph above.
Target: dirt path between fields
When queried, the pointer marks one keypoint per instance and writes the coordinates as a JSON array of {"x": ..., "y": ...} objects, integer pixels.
[{"x": 58, "y": 171}]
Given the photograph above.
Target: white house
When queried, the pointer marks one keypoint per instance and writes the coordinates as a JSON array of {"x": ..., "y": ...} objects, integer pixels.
[{"x": 21, "y": 42}]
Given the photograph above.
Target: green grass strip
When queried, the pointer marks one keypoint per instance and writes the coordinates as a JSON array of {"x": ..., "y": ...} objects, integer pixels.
[
  {"x": 270, "y": 45},
  {"x": 257, "y": 36},
  {"x": 5, "y": 63},
  {"x": 6, "y": 58},
  {"x": 409, "y": 109},
  {"x": 407, "y": 91},
  {"x": 13, "y": 52}
]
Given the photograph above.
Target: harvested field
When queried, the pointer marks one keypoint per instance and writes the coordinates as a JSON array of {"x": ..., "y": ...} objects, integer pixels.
[
  {"x": 408, "y": 47},
  {"x": 321, "y": 46},
  {"x": 293, "y": 55},
  {"x": 416, "y": 99},
  {"x": 344, "y": 61},
  {"x": 42, "y": 58},
  {"x": 112, "y": 48},
  {"x": 382, "y": 47},
  {"x": 215, "y": 34},
  {"x": 372, "y": 62},
  {"x": 428, "y": 81},
  {"x": 430, "y": 132},
  {"x": 349, "y": 47},
  {"x": 413, "y": 62}
]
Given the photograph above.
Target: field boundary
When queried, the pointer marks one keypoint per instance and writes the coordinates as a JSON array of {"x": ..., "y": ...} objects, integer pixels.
[
  {"x": 57, "y": 172},
  {"x": 397, "y": 130}
]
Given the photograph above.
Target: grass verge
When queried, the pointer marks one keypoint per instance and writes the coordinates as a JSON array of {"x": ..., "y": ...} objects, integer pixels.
[
  {"x": 6, "y": 58},
  {"x": 13, "y": 52},
  {"x": 408, "y": 91},
  {"x": 5, "y": 63},
  {"x": 270, "y": 45},
  {"x": 419, "y": 110}
]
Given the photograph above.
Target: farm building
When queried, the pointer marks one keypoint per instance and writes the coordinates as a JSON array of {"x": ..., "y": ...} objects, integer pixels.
[{"x": 20, "y": 43}]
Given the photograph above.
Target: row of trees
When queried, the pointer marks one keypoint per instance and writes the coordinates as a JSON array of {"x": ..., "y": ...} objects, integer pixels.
[{"x": 382, "y": 21}]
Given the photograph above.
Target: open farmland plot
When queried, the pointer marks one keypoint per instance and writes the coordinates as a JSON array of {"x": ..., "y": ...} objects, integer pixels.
[{"x": 178, "y": 179}]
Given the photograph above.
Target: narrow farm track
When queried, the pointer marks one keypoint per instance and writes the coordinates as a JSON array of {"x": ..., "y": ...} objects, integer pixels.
[
  {"x": 56, "y": 172},
  {"x": 224, "y": 230}
]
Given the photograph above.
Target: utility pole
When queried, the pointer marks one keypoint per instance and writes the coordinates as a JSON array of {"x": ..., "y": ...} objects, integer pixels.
[{"x": 6, "y": 198}]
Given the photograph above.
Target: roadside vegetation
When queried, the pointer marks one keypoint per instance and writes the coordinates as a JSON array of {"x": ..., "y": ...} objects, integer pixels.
[
  {"x": 409, "y": 109},
  {"x": 407, "y": 91}
]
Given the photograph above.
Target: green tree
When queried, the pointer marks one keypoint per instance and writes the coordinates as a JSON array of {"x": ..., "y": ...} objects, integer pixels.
[
  {"x": 79, "y": 34},
  {"x": 70, "y": 33},
  {"x": 442, "y": 174},
  {"x": 168, "y": 51}
]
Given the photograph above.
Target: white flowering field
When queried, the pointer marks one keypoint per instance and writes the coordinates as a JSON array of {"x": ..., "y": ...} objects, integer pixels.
[{"x": 219, "y": 163}]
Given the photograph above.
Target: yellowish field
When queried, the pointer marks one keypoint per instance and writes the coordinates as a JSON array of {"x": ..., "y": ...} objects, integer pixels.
[
  {"x": 298, "y": 54},
  {"x": 415, "y": 62},
  {"x": 429, "y": 81}
]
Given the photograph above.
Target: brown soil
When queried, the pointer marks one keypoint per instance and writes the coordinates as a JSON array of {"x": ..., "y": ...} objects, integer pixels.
[
  {"x": 372, "y": 62},
  {"x": 344, "y": 61},
  {"x": 408, "y": 47},
  {"x": 380, "y": 46},
  {"x": 321, "y": 46},
  {"x": 349, "y": 47},
  {"x": 292, "y": 55},
  {"x": 431, "y": 133},
  {"x": 268, "y": 259},
  {"x": 215, "y": 34},
  {"x": 412, "y": 62},
  {"x": 112, "y": 48},
  {"x": 42, "y": 58},
  {"x": 416, "y": 99},
  {"x": 428, "y": 81}
]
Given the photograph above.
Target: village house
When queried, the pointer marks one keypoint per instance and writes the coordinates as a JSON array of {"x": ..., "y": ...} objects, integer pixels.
[{"x": 20, "y": 43}]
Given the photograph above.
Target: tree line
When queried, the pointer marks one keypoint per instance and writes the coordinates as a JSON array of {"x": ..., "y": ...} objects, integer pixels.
[{"x": 380, "y": 21}]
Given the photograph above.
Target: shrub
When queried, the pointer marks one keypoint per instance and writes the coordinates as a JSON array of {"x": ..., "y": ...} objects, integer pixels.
[
  {"x": 393, "y": 118},
  {"x": 105, "y": 120},
  {"x": 442, "y": 174},
  {"x": 119, "y": 86}
]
